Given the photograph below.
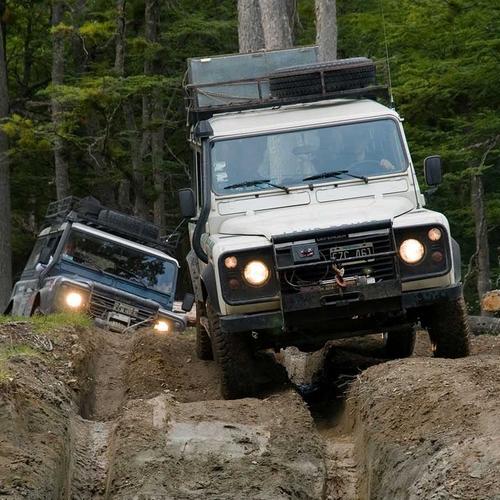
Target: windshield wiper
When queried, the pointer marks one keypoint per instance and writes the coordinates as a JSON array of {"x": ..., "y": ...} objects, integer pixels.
[
  {"x": 256, "y": 183},
  {"x": 337, "y": 174}
]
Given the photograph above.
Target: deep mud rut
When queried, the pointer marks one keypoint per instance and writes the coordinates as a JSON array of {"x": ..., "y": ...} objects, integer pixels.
[
  {"x": 91, "y": 432},
  {"x": 108, "y": 415}
]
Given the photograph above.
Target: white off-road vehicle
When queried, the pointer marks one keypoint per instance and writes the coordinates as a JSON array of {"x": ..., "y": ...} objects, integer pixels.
[{"x": 307, "y": 222}]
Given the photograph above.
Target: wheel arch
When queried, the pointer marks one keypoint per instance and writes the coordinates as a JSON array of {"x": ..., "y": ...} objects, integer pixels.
[
  {"x": 209, "y": 287},
  {"x": 10, "y": 306}
]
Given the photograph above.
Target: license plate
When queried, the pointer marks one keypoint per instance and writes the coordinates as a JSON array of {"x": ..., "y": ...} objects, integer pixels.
[
  {"x": 119, "y": 307},
  {"x": 362, "y": 250}
]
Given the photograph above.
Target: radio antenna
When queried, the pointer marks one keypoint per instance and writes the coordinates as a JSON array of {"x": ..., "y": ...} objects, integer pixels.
[{"x": 391, "y": 96}]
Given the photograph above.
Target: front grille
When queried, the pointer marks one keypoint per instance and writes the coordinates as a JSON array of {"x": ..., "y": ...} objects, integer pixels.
[
  {"x": 297, "y": 273},
  {"x": 102, "y": 304}
]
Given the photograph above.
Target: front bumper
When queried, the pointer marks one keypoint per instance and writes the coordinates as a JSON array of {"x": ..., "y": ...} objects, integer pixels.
[
  {"x": 112, "y": 308},
  {"x": 274, "y": 321}
]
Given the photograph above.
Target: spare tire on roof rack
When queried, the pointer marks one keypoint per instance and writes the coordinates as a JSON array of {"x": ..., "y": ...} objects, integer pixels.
[
  {"x": 127, "y": 224},
  {"x": 323, "y": 78}
]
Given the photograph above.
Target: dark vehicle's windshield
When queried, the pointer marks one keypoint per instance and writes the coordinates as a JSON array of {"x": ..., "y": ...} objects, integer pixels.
[
  {"x": 120, "y": 260},
  {"x": 362, "y": 149}
]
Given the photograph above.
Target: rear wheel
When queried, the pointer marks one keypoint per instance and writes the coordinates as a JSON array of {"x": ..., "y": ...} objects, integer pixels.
[
  {"x": 449, "y": 329},
  {"x": 203, "y": 343},
  {"x": 234, "y": 354},
  {"x": 400, "y": 343}
]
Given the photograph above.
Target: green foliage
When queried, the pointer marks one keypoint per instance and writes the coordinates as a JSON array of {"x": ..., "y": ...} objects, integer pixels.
[
  {"x": 50, "y": 322},
  {"x": 9, "y": 352}
]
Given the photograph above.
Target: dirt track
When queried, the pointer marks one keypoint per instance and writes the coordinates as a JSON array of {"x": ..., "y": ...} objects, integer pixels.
[{"x": 110, "y": 416}]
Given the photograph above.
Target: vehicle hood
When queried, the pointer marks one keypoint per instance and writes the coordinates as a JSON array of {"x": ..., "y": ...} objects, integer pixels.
[{"x": 312, "y": 217}]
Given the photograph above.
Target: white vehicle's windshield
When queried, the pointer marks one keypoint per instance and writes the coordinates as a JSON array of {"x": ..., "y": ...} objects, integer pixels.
[
  {"x": 286, "y": 159},
  {"x": 120, "y": 260}
]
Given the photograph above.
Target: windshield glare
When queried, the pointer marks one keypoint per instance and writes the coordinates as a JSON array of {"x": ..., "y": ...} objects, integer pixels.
[
  {"x": 364, "y": 149},
  {"x": 119, "y": 260}
]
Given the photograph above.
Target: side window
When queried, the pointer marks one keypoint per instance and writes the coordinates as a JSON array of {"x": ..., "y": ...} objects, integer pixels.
[
  {"x": 51, "y": 241},
  {"x": 35, "y": 253}
]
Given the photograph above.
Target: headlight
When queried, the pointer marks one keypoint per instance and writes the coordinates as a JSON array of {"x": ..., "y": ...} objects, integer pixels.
[
  {"x": 256, "y": 273},
  {"x": 74, "y": 300},
  {"x": 162, "y": 326},
  {"x": 411, "y": 251}
]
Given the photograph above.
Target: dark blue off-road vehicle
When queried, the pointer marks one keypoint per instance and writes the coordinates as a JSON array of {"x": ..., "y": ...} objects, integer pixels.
[{"x": 92, "y": 259}]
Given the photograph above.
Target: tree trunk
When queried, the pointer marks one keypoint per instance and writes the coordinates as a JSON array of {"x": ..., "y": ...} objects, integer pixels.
[
  {"x": 326, "y": 29},
  {"x": 61, "y": 165},
  {"x": 5, "y": 215},
  {"x": 481, "y": 231},
  {"x": 276, "y": 24},
  {"x": 152, "y": 136},
  {"x": 120, "y": 38},
  {"x": 157, "y": 140},
  {"x": 155, "y": 116},
  {"x": 124, "y": 187},
  {"x": 27, "y": 54},
  {"x": 250, "y": 34}
]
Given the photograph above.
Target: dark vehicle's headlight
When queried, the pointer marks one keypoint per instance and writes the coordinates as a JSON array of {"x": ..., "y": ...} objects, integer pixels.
[
  {"x": 169, "y": 322},
  {"x": 162, "y": 325},
  {"x": 248, "y": 276},
  {"x": 73, "y": 298},
  {"x": 423, "y": 252}
]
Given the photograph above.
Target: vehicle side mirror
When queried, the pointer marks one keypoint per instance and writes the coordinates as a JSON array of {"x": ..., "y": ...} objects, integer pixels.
[
  {"x": 187, "y": 203},
  {"x": 188, "y": 302},
  {"x": 44, "y": 257},
  {"x": 432, "y": 170}
]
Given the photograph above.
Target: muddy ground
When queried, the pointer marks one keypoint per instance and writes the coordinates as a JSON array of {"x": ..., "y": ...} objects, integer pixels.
[{"x": 106, "y": 415}]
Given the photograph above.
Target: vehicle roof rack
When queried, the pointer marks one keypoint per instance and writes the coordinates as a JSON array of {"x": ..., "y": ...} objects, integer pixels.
[
  {"x": 241, "y": 82},
  {"x": 91, "y": 212}
]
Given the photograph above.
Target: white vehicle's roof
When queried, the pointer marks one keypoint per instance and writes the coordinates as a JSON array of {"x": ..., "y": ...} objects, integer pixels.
[{"x": 297, "y": 115}]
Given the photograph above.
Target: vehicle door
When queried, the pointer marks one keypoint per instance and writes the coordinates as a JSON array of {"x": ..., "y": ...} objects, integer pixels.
[{"x": 28, "y": 286}]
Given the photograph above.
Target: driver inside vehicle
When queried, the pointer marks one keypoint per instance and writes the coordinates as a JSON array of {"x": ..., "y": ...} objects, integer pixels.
[{"x": 361, "y": 154}]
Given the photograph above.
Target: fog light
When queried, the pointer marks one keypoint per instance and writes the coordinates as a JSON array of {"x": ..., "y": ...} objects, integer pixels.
[
  {"x": 256, "y": 273},
  {"x": 161, "y": 326},
  {"x": 434, "y": 234},
  {"x": 234, "y": 284},
  {"x": 231, "y": 262},
  {"x": 74, "y": 300},
  {"x": 411, "y": 251},
  {"x": 437, "y": 257}
]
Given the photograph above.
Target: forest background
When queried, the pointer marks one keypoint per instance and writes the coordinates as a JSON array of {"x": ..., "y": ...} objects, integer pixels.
[{"x": 95, "y": 91}]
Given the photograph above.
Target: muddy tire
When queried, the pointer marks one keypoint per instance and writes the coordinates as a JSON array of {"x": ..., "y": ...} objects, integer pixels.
[
  {"x": 203, "y": 342},
  {"x": 449, "y": 329},
  {"x": 234, "y": 355},
  {"x": 400, "y": 343}
]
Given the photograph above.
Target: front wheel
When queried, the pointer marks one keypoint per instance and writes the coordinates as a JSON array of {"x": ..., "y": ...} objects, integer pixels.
[
  {"x": 234, "y": 354},
  {"x": 449, "y": 329},
  {"x": 400, "y": 343}
]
